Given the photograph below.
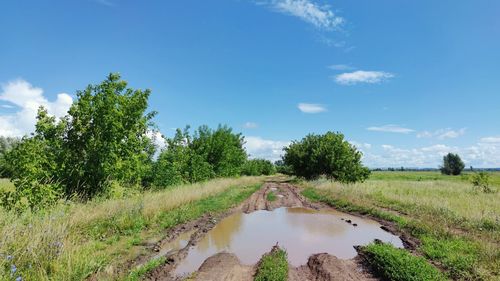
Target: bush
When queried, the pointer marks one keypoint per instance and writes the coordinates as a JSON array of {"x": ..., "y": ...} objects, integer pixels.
[
  {"x": 452, "y": 164},
  {"x": 257, "y": 167},
  {"x": 30, "y": 195},
  {"x": 481, "y": 181},
  {"x": 328, "y": 155}
]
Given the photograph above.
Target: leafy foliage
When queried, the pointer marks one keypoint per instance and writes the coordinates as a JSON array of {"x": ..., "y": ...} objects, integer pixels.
[
  {"x": 207, "y": 154},
  {"x": 257, "y": 167},
  {"x": 103, "y": 138},
  {"x": 452, "y": 164},
  {"x": 328, "y": 155}
]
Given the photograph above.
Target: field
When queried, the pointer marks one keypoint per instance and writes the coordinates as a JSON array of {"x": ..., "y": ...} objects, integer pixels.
[{"x": 458, "y": 227}]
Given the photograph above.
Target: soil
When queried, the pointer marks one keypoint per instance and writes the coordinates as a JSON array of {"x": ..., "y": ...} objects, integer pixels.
[{"x": 226, "y": 266}]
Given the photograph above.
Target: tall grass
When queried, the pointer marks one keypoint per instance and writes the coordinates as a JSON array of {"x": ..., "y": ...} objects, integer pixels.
[
  {"x": 458, "y": 226},
  {"x": 71, "y": 241}
]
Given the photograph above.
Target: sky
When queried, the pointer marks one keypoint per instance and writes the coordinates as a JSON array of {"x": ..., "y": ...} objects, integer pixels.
[{"x": 405, "y": 81}]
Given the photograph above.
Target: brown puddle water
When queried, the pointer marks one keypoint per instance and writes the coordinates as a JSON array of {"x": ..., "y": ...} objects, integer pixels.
[{"x": 302, "y": 232}]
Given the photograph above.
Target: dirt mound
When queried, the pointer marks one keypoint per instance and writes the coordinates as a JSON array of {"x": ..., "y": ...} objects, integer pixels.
[
  {"x": 325, "y": 267},
  {"x": 224, "y": 267}
]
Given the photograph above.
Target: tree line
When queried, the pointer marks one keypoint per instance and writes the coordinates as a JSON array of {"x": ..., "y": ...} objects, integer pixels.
[{"x": 104, "y": 141}]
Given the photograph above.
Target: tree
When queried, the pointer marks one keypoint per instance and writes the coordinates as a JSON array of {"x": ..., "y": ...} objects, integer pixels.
[
  {"x": 102, "y": 138},
  {"x": 207, "y": 154},
  {"x": 452, "y": 164},
  {"x": 328, "y": 155}
]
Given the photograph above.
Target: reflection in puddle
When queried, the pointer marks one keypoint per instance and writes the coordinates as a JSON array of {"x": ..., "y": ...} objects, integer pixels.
[{"x": 302, "y": 232}]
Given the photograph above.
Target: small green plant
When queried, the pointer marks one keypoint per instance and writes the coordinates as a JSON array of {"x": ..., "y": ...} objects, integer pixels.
[
  {"x": 481, "y": 181},
  {"x": 273, "y": 266},
  {"x": 271, "y": 196}
]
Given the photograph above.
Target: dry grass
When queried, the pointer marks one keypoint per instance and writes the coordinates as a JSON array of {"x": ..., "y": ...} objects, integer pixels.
[
  {"x": 456, "y": 199},
  {"x": 70, "y": 241}
]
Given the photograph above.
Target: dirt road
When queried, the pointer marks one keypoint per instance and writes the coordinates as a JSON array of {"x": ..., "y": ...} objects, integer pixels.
[{"x": 226, "y": 266}]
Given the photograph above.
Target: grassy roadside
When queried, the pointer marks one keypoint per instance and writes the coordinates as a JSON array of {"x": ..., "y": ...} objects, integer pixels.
[
  {"x": 273, "y": 266},
  {"x": 457, "y": 227},
  {"x": 391, "y": 263},
  {"x": 73, "y": 241}
]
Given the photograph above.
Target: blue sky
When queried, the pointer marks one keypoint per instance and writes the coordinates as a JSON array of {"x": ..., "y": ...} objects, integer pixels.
[{"x": 405, "y": 81}]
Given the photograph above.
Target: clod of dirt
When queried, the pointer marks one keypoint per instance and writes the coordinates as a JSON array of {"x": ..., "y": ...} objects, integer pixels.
[
  {"x": 224, "y": 267},
  {"x": 325, "y": 267}
]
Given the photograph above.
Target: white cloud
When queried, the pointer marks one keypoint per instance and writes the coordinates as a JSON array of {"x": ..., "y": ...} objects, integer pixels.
[
  {"x": 361, "y": 76},
  {"x": 8, "y": 106},
  {"x": 491, "y": 139},
  {"x": 340, "y": 67},
  {"x": 321, "y": 16},
  {"x": 484, "y": 154},
  {"x": 311, "y": 107},
  {"x": 157, "y": 137},
  {"x": 258, "y": 147},
  {"x": 390, "y": 129},
  {"x": 442, "y": 133},
  {"x": 361, "y": 146},
  {"x": 28, "y": 99},
  {"x": 250, "y": 125}
]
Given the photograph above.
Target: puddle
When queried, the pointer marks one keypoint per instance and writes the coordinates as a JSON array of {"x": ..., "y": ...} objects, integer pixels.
[
  {"x": 302, "y": 232},
  {"x": 178, "y": 243}
]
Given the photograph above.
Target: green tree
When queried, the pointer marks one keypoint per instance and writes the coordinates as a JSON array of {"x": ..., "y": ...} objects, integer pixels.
[
  {"x": 221, "y": 148},
  {"x": 328, "y": 155},
  {"x": 452, "y": 164},
  {"x": 102, "y": 138}
]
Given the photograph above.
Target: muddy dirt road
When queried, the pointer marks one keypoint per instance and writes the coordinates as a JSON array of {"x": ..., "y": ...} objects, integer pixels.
[{"x": 227, "y": 266}]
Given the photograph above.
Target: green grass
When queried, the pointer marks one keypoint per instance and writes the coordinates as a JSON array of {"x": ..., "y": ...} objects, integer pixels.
[
  {"x": 74, "y": 241},
  {"x": 273, "y": 266},
  {"x": 458, "y": 227},
  {"x": 138, "y": 273},
  {"x": 429, "y": 176},
  {"x": 271, "y": 196},
  {"x": 391, "y": 263}
]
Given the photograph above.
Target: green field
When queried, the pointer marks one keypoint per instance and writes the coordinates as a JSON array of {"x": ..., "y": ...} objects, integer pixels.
[{"x": 459, "y": 227}]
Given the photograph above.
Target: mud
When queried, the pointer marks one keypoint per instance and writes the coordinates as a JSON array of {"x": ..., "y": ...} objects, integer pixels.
[{"x": 223, "y": 265}]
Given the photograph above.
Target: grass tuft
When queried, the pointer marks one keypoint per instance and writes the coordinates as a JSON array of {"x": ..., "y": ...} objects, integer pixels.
[
  {"x": 391, "y": 263},
  {"x": 271, "y": 196},
  {"x": 273, "y": 266}
]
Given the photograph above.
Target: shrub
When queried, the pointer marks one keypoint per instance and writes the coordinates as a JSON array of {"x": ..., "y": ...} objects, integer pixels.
[
  {"x": 481, "y": 181},
  {"x": 452, "y": 165},
  {"x": 328, "y": 155}
]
